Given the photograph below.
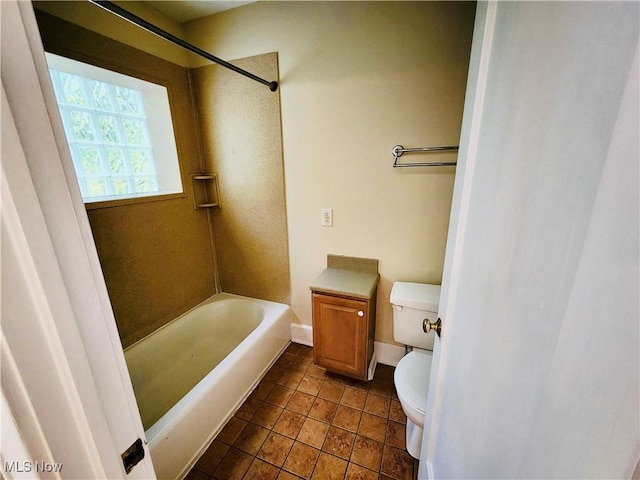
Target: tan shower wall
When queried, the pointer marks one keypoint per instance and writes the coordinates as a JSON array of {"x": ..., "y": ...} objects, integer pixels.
[
  {"x": 242, "y": 140},
  {"x": 357, "y": 79},
  {"x": 156, "y": 256}
]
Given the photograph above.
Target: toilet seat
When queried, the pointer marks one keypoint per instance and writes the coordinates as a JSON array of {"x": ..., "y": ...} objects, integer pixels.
[{"x": 412, "y": 393}]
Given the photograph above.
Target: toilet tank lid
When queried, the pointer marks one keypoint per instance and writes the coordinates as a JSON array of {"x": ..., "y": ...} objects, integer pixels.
[{"x": 421, "y": 296}]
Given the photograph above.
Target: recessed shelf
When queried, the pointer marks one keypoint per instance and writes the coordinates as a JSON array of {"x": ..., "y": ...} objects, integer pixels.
[{"x": 205, "y": 190}]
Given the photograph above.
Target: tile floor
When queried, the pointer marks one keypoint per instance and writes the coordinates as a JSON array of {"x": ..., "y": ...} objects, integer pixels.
[{"x": 304, "y": 422}]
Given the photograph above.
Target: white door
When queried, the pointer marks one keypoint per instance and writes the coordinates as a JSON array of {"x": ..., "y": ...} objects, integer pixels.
[
  {"x": 537, "y": 375},
  {"x": 66, "y": 390}
]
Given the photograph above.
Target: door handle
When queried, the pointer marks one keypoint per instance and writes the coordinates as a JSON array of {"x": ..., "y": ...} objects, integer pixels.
[{"x": 427, "y": 326}]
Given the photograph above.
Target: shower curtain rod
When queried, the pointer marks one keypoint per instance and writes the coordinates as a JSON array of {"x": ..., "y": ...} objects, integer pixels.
[{"x": 142, "y": 23}]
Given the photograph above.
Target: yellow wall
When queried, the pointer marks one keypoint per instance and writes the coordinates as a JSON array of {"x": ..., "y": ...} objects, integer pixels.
[
  {"x": 97, "y": 19},
  {"x": 358, "y": 78}
]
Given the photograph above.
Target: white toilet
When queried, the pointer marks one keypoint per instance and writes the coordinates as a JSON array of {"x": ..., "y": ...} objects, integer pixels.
[{"x": 412, "y": 303}]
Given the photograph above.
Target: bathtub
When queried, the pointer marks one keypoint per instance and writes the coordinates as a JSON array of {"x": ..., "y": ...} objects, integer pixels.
[{"x": 191, "y": 375}]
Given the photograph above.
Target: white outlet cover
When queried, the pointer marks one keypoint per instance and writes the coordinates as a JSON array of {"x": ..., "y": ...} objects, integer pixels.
[{"x": 326, "y": 217}]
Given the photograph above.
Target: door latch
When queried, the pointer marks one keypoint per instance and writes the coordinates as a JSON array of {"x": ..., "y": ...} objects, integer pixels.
[{"x": 133, "y": 455}]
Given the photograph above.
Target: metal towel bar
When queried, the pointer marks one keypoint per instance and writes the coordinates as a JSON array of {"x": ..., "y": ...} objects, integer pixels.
[{"x": 399, "y": 150}]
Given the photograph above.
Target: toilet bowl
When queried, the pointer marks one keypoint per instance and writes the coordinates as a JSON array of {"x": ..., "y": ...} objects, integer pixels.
[
  {"x": 412, "y": 303},
  {"x": 411, "y": 379}
]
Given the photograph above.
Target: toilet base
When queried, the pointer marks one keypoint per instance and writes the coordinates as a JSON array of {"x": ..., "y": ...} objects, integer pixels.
[{"x": 414, "y": 439}]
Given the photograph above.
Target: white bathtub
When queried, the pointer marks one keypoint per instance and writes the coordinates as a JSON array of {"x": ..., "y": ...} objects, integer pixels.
[{"x": 191, "y": 375}]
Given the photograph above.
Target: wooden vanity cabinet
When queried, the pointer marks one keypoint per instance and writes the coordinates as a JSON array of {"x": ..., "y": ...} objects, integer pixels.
[{"x": 343, "y": 333}]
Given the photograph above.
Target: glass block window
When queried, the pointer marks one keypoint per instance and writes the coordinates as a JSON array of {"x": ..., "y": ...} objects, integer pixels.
[{"x": 118, "y": 149}]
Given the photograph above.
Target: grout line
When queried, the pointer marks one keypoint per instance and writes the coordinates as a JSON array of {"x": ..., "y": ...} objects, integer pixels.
[{"x": 344, "y": 382}]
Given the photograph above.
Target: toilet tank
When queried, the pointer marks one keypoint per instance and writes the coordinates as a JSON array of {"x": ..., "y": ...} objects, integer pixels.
[{"x": 412, "y": 303}]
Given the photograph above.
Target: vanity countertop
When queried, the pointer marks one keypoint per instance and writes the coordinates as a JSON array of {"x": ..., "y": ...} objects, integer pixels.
[{"x": 348, "y": 276}]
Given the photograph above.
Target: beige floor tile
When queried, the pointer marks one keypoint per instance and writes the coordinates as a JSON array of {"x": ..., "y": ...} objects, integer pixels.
[
  {"x": 291, "y": 379},
  {"x": 234, "y": 465},
  {"x": 301, "y": 403},
  {"x": 396, "y": 435},
  {"x": 262, "y": 390},
  {"x": 359, "y": 384},
  {"x": 316, "y": 371},
  {"x": 354, "y": 398},
  {"x": 196, "y": 475},
  {"x": 347, "y": 418},
  {"x": 310, "y": 385},
  {"x": 397, "y": 464},
  {"x": 396, "y": 413},
  {"x": 248, "y": 408},
  {"x": 267, "y": 415},
  {"x": 331, "y": 391},
  {"x": 302, "y": 422},
  {"x": 274, "y": 374},
  {"x": 210, "y": 460},
  {"x": 251, "y": 438},
  {"x": 305, "y": 352},
  {"x": 231, "y": 430},
  {"x": 372, "y": 426},
  {"x": 279, "y": 396},
  {"x": 313, "y": 432},
  {"x": 367, "y": 453},
  {"x": 377, "y": 405},
  {"x": 294, "y": 348},
  {"x": 356, "y": 472},
  {"x": 301, "y": 460},
  {"x": 334, "y": 377},
  {"x": 339, "y": 442},
  {"x": 261, "y": 470},
  {"x": 384, "y": 388},
  {"x": 329, "y": 468},
  {"x": 303, "y": 364},
  {"x": 289, "y": 424},
  {"x": 275, "y": 449},
  {"x": 284, "y": 475},
  {"x": 323, "y": 410}
]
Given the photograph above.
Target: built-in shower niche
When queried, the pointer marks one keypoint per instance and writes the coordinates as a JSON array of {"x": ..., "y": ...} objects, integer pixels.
[
  {"x": 205, "y": 190},
  {"x": 240, "y": 129}
]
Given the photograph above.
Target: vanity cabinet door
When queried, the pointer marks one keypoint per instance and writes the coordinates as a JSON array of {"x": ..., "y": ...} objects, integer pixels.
[{"x": 340, "y": 334}]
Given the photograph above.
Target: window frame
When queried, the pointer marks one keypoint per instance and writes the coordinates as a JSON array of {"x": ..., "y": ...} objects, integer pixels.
[{"x": 140, "y": 198}]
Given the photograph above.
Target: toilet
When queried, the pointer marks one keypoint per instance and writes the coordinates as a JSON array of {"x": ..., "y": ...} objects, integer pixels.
[{"x": 412, "y": 303}]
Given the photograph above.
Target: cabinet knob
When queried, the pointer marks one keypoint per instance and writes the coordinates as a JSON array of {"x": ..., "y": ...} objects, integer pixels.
[{"x": 360, "y": 313}]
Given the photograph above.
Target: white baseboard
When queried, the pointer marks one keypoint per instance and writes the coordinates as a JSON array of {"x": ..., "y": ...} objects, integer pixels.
[
  {"x": 385, "y": 353},
  {"x": 388, "y": 354},
  {"x": 372, "y": 366},
  {"x": 302, "y": 334}
]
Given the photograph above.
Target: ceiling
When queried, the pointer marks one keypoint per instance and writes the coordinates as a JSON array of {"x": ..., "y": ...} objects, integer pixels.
[{"x": 183, "y": 10}]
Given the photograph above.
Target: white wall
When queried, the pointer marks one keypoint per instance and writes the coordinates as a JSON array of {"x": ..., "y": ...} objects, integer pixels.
[{"x": 358, "y": 78}]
